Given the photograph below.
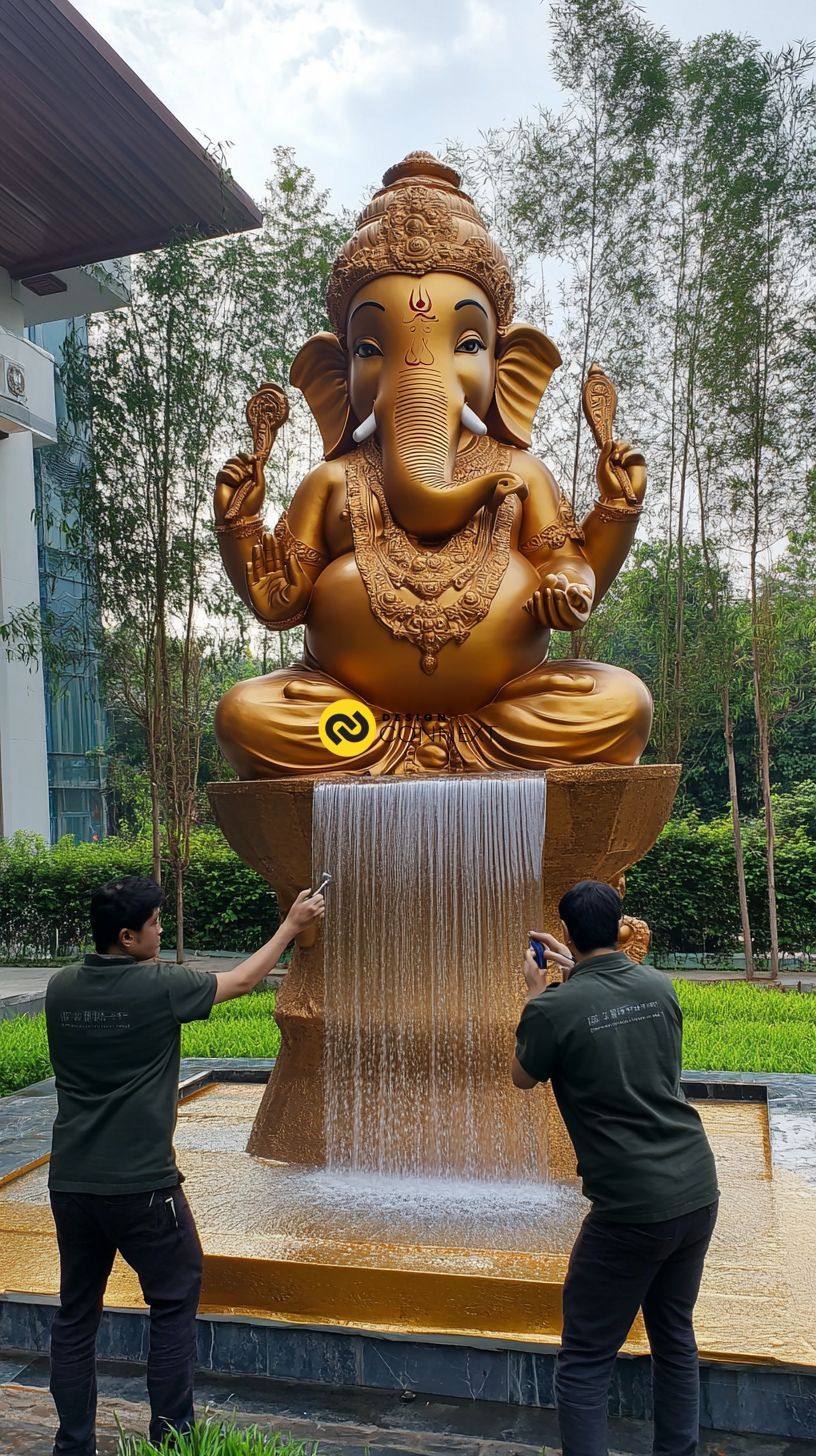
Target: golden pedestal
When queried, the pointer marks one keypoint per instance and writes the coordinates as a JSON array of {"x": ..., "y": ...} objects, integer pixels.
[{"x": 599, "y": 821}]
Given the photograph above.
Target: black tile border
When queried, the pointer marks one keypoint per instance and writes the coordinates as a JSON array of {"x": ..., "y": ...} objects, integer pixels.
[{"x": 750, "y": 1400}]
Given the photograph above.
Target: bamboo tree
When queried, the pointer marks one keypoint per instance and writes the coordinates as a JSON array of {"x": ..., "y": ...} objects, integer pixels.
[
  {"x": 781, "y": 370},
  {"x": 163, "y": 387},
  {"x": 161, "y": 378},
  {"x": 585, "y": 189}
]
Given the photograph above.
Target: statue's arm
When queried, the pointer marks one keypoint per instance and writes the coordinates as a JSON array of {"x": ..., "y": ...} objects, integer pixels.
[
  {"x": 552, "y": 540},
  {"x": 609, "y": 527},
  {"x": 273, "y": 572},
  {"x": 593, "y": 551},
  {"x": 609, "y": 535},
  {"x": 550, "y": 537}
]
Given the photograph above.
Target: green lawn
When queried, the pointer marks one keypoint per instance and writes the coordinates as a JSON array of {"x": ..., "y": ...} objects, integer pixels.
[
  {"x": 242, "y": 1028},
  {"x": 728, "y": 1028},
  {"x": 734, "y": 1027}
]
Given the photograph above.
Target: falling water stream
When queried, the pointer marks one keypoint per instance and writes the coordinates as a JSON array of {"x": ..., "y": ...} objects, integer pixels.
[{"x": 436, "y": 884}]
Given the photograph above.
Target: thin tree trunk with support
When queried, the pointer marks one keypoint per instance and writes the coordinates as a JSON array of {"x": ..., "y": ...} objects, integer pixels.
[{"x": 745, "y": 920}]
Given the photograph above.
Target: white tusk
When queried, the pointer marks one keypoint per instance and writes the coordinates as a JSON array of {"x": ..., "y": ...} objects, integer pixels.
[
  {"x": 365, "y": 430},
  {"x": 471, "y": 421}
]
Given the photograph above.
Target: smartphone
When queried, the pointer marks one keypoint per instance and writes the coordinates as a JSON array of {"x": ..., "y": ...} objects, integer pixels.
[
  {"x": 326, "y": 879},
  {"x": 539, "y": 952}
]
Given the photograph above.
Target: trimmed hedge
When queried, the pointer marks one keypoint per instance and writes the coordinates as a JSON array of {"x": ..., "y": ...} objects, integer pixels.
[
  {"x": 45, "y": 893},
  {"x": 686, "y": 888}
]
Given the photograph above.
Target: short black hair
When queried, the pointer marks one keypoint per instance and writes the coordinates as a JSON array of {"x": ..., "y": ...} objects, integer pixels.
[
  {"x": 592, "y": 914},
  {"x": 124, "y": 904}
]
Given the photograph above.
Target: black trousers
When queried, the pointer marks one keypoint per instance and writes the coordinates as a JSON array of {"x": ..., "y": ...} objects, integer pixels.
[
  {"x": 156, "y": 1234},
  {"x": 615, "y": 1270}
]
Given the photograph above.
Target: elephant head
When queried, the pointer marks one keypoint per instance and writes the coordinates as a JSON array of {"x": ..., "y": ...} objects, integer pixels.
[{"x": 424, "y": 365}]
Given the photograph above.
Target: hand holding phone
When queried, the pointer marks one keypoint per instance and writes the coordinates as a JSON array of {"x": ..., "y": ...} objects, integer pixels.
[
  {"x": 548, "y": 950},
  {"x": 538, "y": 951}
]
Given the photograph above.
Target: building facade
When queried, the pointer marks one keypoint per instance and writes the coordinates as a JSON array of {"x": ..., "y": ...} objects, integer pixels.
[
  {"x": 74, "y": 717},
  {"x": 94, "y": 168}
]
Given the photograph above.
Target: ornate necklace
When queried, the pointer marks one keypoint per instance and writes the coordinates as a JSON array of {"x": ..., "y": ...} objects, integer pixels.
[{"x": 405, "y": 580}]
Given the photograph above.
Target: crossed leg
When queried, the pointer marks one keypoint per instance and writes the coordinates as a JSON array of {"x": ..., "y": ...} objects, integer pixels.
[{"x": 561, "y": 713}]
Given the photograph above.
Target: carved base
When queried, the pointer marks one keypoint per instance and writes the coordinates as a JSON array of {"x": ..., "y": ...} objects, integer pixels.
[{"x": 600, "y": 820}]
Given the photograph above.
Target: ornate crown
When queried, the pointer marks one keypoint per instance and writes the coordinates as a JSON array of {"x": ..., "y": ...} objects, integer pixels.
[{"x": 420, "y": 221}]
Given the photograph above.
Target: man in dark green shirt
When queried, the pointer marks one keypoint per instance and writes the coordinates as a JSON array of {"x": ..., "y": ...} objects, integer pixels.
[
  {"x": 114, "y": 1034},
  {"x": 609, "y": 1038}
]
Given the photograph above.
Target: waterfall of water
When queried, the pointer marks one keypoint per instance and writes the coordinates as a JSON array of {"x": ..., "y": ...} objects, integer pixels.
[{"x": 436, "y": 884}]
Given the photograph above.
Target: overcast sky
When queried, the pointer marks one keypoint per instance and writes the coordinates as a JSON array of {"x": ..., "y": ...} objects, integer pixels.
[{"x": 353, "y": 85}]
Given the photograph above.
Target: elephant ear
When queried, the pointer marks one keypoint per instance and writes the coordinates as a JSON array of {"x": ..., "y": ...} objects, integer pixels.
[
  {"x": 320, "y": 371},
  {"x": 525, "y": 363}
]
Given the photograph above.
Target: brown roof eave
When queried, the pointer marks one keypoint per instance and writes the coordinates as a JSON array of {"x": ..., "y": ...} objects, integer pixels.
[
  {"x": 95, "y": 166},
  {"x": 112, "y": 248}
]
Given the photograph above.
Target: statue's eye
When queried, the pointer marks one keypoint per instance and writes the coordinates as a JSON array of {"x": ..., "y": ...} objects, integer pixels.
[
  {"x": 366, "y": 350},
  {"x": 471, "y": 345}
]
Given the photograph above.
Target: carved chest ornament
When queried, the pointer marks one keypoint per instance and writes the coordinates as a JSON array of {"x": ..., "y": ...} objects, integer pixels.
[{"x": 405, "y": 580}]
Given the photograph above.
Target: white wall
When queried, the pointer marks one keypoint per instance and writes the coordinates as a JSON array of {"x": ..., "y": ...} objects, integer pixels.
[{"x": 23, "y": 759}]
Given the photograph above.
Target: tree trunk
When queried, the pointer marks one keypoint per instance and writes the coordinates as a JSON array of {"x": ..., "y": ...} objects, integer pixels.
[
  {"x": 770, "y": 830},
  {"x": 728, "y": 734},
  {"x": 179, "y": 915},
  {"x": 155, "y": 828}
]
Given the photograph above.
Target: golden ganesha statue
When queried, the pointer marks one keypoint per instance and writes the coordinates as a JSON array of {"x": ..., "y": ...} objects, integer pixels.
[{"x": 429, "y": 555}]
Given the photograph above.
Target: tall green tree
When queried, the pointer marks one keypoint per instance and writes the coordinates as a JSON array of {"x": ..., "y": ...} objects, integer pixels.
[
  {"x": 585, "y": 192},
  {"x": 163, "y": 388},
  {"x": 771, "y": 400},
  {"x": 157, "y": 386}
]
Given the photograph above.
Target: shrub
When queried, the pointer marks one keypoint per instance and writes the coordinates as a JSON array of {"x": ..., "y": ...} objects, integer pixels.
[
  {"x": 686, "y": 887},
  {"x": 45, "y": 893}
]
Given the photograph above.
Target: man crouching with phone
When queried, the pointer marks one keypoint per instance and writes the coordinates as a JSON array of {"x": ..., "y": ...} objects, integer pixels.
[
  {"x": 114, "y": 1034},
  {"x": 609, "y": 1038}
]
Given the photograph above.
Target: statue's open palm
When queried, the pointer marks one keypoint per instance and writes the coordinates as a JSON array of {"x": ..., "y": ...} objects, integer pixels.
[{"x": 279, "y": 587}]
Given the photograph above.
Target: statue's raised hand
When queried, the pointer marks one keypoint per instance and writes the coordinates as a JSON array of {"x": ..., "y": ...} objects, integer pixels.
[
  {"x": 279, "y": 588},
  {"x": 621, "y": 474},
  {"x": 239, "y": 489}
]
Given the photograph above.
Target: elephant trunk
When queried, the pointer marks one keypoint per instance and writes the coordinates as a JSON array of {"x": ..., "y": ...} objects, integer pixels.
[{"x": 419, "y": 433}]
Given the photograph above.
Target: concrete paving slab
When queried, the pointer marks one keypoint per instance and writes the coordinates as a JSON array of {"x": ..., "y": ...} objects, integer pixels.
[
  {"x": 350, "y": 1423},
  {"x": 22, "y": 988}
]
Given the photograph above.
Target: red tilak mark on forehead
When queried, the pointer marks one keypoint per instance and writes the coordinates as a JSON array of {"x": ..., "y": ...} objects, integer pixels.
[{"x": 419, "y": 302}]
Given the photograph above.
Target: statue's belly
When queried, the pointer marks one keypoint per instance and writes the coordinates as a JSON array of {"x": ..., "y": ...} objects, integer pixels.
[{"x": 346, "y": 640}]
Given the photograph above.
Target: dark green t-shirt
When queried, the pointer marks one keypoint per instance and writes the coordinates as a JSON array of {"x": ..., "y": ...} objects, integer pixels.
[
  {"x": 114, "y": 1034},
  {"x": 610, "y": 1040}
]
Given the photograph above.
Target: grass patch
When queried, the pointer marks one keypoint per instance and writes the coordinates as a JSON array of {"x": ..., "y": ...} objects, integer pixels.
[
  {"x": 211, "y": 1438},
  {"x": 242, "y": 1028},
  {"x": 732, "y": 1027}
]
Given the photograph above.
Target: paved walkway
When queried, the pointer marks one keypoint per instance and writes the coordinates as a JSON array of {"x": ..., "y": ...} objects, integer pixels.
[
  {"x": 22, "y": 988},
  {"x": 339, "y": 1423},
  {"x": 32, "y": 980}
]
